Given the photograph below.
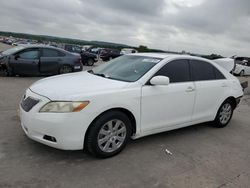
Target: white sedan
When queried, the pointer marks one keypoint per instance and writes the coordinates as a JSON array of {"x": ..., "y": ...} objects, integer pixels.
[
  {"x": 129, "y": 97},
  {"x": 242, "y": 68}
]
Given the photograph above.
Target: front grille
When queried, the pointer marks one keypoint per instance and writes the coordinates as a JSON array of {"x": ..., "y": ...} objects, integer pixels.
[{"x": 28, "y": 103}]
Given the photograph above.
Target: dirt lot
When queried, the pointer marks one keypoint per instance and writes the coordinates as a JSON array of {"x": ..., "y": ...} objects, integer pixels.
[{"x": 203, "y": 156}]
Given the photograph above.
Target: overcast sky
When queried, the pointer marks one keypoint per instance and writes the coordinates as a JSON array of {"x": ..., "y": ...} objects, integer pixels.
[{"x": 200, "y": 26}]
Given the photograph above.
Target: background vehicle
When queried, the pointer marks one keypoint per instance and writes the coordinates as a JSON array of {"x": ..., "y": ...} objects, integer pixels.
[
  {"x": 108, "y": 54},
  {"x": 130, "y": 96},
  {"x": 125, "y": 51},
  {"x": 39, "y": 60},
  {"x": 226, "y": 63},
  {"x": 242, "y": 67},
  {"x": 72, "y": 48},
  {"x": 88, "y": 58}
]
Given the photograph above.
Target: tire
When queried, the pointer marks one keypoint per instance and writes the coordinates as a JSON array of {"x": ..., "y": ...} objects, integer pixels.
[
  {"x": 4, "y": 72},
  {"x": 224, "y": 114},
  {"x": 108, "y": 134},
  {"x": 242, "y": 73},
  {"x": 90, "y": 62},
  {"x": 65, "y": 69}
]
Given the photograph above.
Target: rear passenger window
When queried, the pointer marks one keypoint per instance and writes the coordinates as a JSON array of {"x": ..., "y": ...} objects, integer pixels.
[
  {"x": 218, "y": 74},
  {"x": 50, "y": 53},
  {"x": 202, "y": 70},
  {"x": 177, "y": 71}
]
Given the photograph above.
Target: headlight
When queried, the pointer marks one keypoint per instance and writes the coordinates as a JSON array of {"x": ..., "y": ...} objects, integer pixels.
[{"x": 63, "y": 107}]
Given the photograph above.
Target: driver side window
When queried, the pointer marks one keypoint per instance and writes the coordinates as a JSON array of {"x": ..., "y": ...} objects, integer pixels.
[
  {"x": 176, "y": 70},
  {"x": 29, "y": 54}
]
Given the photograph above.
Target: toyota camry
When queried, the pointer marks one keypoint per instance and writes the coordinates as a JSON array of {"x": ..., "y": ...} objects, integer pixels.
[{"x": 129, "y": 97}]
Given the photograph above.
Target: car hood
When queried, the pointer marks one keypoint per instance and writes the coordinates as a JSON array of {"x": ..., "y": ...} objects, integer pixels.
[{"x": 75, "y": 86}]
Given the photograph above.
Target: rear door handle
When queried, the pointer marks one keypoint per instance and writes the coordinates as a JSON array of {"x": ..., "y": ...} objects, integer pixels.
[{"x": 190, "y": 89}]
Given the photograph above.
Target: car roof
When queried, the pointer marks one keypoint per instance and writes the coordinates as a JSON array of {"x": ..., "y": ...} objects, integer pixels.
[
  {"x": 26, "y": 46},
  {"x": 159, "y": 55},
  {"x": 38, "y": 46},
  {"x": 168, "y": 56}
]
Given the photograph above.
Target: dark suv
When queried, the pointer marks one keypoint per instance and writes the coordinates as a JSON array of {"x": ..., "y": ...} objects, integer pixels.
[
  {"x": 87, "y": 57},
  {"x": 108, "y": 54}
]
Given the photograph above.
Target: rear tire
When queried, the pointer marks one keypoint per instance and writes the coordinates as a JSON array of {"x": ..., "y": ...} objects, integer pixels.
[
  {"x": 65, "y": 69},
  {"x": 108, "y": 134},
  {"x": 90, "y": 62},
  {"x": 224, "y": 114}
]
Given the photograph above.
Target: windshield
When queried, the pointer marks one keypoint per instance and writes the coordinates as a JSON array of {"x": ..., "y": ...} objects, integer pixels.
[
  {"x": 12, "y": 50},
  {"x": 126, "y": 68}
]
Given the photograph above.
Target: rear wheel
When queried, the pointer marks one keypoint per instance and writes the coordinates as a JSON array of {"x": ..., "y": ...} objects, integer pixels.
[
  {"x": 65, "y": 69},
  {"x": 242, "y": 73},
  {"x": 224, "y": 114},
  {"x": 90, "y": 62},
  {"x": 108, "y": 135},
  {"x": 4, "y": 72}
]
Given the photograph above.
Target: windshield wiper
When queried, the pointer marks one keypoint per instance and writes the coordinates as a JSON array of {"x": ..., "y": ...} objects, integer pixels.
[{"x": 97, "y": 74}]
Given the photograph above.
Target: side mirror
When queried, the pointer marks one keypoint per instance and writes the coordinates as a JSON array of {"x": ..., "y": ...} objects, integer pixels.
[{"x": 160, "y": 80}]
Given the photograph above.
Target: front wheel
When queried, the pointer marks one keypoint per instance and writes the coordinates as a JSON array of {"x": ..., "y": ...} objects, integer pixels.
[
  {"x": 224, "y": 114},
  {"x": 108, "y": 135}
]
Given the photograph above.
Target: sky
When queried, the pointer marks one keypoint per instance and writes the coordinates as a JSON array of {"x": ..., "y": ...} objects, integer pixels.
[{"x": 197, "y": 26}]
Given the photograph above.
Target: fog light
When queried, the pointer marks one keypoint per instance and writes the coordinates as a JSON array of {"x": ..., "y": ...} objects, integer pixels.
[{"x": 49, "y": 138}]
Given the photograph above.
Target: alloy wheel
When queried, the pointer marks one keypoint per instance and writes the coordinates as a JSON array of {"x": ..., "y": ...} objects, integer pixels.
[
  {"x": 225, "y": 113},
  {"x": 111, "y": 135}
]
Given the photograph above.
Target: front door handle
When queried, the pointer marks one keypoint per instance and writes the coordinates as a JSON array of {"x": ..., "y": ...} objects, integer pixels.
[{"x": 190, "y": 89}]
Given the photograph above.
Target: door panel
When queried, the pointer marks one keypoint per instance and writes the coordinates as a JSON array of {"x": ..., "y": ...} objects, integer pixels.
[
  {"x": 211, "y": 88},
  {"x": 165, "y": 106},
  {"x": 25, "y": 62},
  {"x": 50, "y": 60},
  {"x": 49, "y": 64},
  {"x": 208, "y": 96}
]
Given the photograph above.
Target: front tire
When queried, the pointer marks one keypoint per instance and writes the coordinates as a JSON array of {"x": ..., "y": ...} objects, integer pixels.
[
  {"x": 224, "y": 114},
  {"x": 108, "y": 134}
]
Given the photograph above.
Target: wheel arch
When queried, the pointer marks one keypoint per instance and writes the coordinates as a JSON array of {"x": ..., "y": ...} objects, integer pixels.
[{"x": 231, "y": 98}]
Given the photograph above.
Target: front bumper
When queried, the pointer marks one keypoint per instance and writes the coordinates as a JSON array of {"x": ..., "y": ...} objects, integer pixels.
[{"x": 59, "y": 130}]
